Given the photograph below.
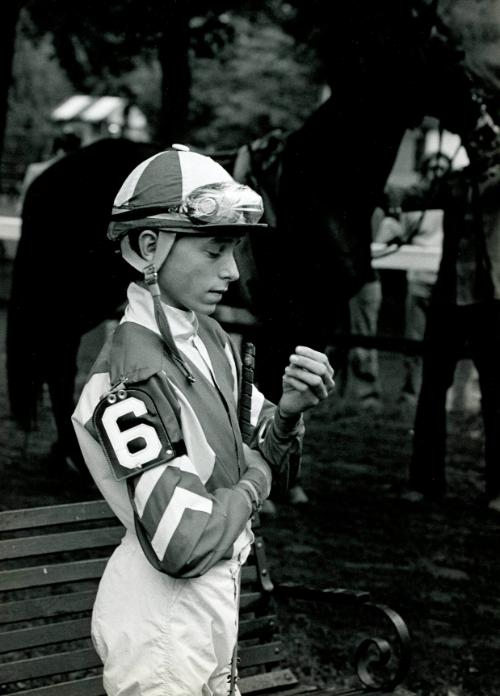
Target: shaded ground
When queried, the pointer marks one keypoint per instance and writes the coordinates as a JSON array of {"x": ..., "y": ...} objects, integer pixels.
[{"x": 437, "y": 566}]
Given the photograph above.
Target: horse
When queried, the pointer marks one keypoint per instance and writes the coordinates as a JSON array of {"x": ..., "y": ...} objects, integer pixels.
[
  {"x": 388, "y": 65},
  {"x": 66, "y": 278}
]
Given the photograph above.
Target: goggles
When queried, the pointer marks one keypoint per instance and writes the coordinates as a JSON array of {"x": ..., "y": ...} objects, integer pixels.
[
  {"x": 220, "y": 205},
  {"x": 227, "y": 203}
]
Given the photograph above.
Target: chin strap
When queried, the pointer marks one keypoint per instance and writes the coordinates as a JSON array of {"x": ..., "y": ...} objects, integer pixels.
[{"x": 151, "y": 280}]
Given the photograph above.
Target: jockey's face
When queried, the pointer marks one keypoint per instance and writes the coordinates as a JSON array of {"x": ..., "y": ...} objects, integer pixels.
[{"x": 197, "y": 272}]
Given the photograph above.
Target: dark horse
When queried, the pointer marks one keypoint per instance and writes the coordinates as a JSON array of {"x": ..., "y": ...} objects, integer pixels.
[
  {"x": 66, "y": 278},
  {"x": 388, "y": 65}
]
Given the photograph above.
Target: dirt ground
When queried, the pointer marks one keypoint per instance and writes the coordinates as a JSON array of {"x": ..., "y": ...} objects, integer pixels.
[{"x": 437, "y": 566}]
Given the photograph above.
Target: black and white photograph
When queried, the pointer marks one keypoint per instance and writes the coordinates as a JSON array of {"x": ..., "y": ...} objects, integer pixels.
[{"x": 250, "y": 348}]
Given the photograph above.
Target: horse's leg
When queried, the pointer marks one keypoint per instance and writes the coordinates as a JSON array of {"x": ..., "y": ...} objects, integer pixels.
[{"x": 61, "y": 382}]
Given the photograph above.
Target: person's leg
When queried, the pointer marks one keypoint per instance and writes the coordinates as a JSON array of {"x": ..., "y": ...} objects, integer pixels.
[
  {"x": 363, "y": 362},
  {"x": 442, "y": 345},
  {"x": 66, "y": 454},
  {"x": 485, "y": 346},
  {"x": 416, "y": 308},
  {"x": 460, "y": 397}
]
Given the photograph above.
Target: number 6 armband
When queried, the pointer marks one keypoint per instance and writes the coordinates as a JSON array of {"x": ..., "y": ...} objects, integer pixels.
[{"x": 132, "y": 433}]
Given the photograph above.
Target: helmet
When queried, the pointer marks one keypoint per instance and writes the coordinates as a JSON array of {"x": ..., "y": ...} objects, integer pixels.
[
  {"x": 178, "y": 191},
  {"x": 182, "y": 191}
]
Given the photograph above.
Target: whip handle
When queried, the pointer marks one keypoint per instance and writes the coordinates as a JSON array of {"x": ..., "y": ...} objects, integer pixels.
[{"x": 247, "y": 378}]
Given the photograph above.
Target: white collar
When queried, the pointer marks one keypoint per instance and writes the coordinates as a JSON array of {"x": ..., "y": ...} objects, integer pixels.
[{"x": 183, "y": 324}]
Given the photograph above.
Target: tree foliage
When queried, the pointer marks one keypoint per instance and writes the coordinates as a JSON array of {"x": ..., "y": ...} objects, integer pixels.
[
  {"x": 260, "y": 81},
  {"x": 101, "y": 45},
  {"x": 221, "y": 74},
  {"x": 38, "y": 85},
  {"x": 9, "y": 16}
]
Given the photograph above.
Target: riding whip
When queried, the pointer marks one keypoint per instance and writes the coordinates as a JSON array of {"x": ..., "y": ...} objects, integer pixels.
[
  {"x": 245, "y": 410},
  {"x": 247, "y": 377}
]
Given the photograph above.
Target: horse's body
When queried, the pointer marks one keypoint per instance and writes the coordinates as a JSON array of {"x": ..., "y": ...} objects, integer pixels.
[
  {"x": 66, "y": 278},
  {"x": 388, "y": 66}
]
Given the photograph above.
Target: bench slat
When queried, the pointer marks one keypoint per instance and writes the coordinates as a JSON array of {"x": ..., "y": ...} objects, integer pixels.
[
  {"x": 90, "y": 686},
  {"x": 74, "y": 571},
  {"x": 33, "y": 518},
  {"x": 73, "y": 661},
  {"x": 250, "y": 601},
  {"x": 248, "y": 628},
  {"x": 270, "y": 681},
  {"x": 45, "y": 607},
  {"x": 52, "y": 574},
  {"x": 260, "y": 654},
  {"x": 61, "y": 541},
  {"x": 50, "y": 605},
  {"x": 45, "y": 666},
  {"x": 248, "y": 575},
  {"x": 45, "y": 635}
]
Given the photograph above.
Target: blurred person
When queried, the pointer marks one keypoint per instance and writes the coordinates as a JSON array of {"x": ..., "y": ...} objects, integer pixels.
[
  {"x": 358, "y": 376},
  {"x": 463, "y": 317},
  {"x": 357, "y": 368},
  {"x": 422, "y": 228}
]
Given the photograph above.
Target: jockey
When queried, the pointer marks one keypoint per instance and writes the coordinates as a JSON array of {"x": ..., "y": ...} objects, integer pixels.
[{"x": 158, "y": 426}]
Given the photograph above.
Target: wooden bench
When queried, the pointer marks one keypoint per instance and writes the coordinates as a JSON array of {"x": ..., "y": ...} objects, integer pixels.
[{"x": 51, "y": 561}]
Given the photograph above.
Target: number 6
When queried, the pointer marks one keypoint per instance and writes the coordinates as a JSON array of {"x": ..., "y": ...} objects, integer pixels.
[{"x": 121, "y": 439}]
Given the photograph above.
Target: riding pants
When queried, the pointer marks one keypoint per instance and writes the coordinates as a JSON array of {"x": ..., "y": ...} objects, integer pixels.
[{"x": 164, "y": 636}]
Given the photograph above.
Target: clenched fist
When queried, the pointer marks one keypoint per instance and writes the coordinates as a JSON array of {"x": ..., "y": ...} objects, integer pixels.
[{"x": 308, "y": 379}]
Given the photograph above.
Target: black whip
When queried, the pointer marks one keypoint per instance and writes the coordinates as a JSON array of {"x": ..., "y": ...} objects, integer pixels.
[{"x": 247, "y": 377}]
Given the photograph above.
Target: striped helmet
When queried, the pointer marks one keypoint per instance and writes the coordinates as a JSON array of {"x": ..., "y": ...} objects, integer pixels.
[{"x": 185, "y": 192}]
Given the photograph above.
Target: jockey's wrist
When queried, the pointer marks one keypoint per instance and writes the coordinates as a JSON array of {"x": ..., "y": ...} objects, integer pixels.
[
  {"x": 286, "y": 422},
  {"x": 252, "y": 496}
]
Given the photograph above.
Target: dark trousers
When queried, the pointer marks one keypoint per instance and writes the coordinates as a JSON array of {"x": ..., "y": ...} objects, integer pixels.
[{"x": 454, "y": 332}]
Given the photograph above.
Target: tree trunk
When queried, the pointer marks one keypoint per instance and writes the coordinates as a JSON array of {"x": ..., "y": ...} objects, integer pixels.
[
  {"x": 8, "y": 23},
  {"x": 173, "y": 54}
]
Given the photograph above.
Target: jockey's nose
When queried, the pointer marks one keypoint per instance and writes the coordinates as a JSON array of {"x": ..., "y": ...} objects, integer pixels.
[{"x": 229, "y": 269}]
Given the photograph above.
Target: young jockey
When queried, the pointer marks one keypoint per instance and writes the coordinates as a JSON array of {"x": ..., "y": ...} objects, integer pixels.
[{"x": 158, "y": 426}]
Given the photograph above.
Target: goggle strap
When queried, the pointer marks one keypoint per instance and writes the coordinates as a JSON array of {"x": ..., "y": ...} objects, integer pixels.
[{"x": 166, "y": 335}]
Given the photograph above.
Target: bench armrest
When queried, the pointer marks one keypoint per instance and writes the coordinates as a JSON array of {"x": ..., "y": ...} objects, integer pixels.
[
  {"x": 331, "y": 595},
  {"x": 379, "y": 662}
]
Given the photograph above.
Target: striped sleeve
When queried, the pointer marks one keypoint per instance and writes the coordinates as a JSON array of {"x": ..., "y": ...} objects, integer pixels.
[
  {"x": 183, "y": 528},
  {"x": 187, "y": 528},
  {"x": 278, "y": 439}
]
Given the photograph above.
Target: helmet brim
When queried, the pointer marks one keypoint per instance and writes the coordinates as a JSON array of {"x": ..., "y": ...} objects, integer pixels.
[
  {"x": 118, "y": 228},
  {"x": 221, "y": 230}
]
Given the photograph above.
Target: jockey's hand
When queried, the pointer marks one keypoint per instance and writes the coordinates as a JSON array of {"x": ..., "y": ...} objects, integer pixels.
[{"x": 308, "y": 379}]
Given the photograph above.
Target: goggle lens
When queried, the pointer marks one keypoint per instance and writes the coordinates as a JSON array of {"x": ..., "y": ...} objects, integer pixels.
[{"x": 226, "y": 203}]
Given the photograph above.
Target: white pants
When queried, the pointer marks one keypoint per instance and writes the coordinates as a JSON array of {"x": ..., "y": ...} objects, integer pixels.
[{"x": 158, "y": 635}]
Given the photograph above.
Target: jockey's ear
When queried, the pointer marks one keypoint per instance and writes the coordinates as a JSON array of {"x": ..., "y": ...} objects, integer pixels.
[{"x": 147, "y": 243}]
